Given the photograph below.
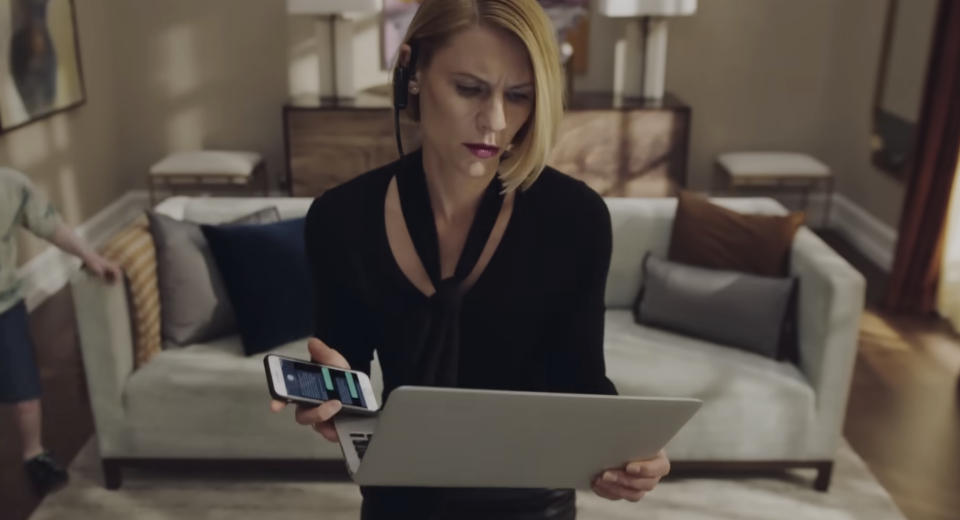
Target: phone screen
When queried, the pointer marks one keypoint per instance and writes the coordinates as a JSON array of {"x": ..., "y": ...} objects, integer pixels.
[{"x": 322, "y": 383}]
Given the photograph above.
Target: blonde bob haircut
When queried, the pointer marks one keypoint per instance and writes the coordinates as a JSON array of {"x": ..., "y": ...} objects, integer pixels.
[{"x": 438, "y": 20}]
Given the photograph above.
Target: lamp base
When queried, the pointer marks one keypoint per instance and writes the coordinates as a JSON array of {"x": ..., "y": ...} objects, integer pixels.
[
  {"x": 643, "y": 59},
  {"x": 335, "y": 49}
]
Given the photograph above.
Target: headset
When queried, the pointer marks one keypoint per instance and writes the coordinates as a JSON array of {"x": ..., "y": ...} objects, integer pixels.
[{"x": 401, "y": 96}]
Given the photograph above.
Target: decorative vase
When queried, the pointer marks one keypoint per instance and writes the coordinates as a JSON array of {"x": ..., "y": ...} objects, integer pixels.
[{"x": 33, "y": 59}]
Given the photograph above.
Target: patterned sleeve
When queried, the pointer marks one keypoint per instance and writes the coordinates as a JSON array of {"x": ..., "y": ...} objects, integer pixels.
[{"x": 37, "y": 214}]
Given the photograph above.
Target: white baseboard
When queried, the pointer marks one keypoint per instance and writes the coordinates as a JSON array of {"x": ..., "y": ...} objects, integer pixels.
[
  {"x": 875, "y": 239},
  {"x": 49, "y": 272}
]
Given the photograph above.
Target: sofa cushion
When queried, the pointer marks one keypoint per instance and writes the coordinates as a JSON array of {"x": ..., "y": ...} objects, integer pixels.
[
  {"x": 644, "y": 225},
  {"x": 745, "y": 396},
  {"x": 707, "y": 235},
  {"x": 194, "y": 303},
  {"x": 726, "y": 307},
  {"x": 133, "y": 249},
  {"x": 211, "y": 401},
  {"x": 264, "y": 268}
]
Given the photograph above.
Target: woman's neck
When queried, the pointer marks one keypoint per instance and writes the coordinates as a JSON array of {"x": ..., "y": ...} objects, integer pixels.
[{"x": 453, "y": 195}]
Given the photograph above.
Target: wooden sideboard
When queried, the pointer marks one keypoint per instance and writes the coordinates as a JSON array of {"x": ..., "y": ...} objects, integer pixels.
[{"x": 620, "y": 149}]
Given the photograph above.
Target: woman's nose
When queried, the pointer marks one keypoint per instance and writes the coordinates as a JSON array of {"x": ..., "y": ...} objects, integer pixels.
[{"x": 493, "y": 118}]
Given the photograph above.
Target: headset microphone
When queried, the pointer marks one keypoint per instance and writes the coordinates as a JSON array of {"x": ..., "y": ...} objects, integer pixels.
[{"x": 401, "y": 96}]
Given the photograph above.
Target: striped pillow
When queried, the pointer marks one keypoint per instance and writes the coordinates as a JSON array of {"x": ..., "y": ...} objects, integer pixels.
[{"x": 134, "y": 251}]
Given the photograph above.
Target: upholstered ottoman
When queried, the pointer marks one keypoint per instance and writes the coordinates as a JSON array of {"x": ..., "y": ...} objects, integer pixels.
[
  {"x": 206, "y": 169},
  {"x": 779, "y": 170}
]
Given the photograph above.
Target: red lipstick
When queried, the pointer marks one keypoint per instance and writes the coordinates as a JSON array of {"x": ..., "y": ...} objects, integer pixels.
[{"x": 483, "y": 151}]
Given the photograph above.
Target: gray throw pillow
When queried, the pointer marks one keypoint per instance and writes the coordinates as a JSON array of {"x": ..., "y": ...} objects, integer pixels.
[
  {"x": 194, "y": 305},
  {"x": 726, "y": 307}
]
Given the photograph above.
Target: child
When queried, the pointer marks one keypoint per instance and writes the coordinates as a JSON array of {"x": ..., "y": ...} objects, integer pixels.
[{"x": 22, "y": 206}]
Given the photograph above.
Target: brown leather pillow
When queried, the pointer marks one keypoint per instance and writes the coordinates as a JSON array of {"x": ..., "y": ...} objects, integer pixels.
[{"x": 707, "y": 235}]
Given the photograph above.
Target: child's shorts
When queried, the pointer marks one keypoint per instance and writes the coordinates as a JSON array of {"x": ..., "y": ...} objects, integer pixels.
[{"x": 19, "y": 375}]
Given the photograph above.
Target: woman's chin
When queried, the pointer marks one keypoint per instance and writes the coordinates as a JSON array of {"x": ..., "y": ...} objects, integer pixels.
[{"x": 478, "y": 168}]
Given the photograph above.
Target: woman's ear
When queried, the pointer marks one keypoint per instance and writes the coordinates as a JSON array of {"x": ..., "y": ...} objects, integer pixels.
[{"x": 405, "y": 52}]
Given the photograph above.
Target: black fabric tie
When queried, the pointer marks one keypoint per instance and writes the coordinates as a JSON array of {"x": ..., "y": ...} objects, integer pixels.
[{"x": 434, "y": 359}]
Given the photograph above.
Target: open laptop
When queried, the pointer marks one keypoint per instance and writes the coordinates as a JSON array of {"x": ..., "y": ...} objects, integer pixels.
[{"x": 441, "y": 437}]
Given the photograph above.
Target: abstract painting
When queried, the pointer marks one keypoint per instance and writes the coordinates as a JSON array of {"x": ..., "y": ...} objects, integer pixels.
[
  {"x": 397, "y": 15},
  {"x": 566, "y": 15},
  {"x": 39, "y": 60}
]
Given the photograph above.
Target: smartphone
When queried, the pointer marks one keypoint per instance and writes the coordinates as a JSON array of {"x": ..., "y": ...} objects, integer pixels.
[{"x": 295, "y": 381}]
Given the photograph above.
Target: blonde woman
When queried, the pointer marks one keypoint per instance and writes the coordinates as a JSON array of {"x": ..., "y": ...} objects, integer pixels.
[{"x": 470, "y": 263}]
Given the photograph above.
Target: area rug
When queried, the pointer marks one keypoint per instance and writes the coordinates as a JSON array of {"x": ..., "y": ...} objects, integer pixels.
[{"x": 854, "y": 495}]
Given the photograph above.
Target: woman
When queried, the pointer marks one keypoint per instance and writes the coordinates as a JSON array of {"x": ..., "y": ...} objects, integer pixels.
[{"x": 469, "y": 263}]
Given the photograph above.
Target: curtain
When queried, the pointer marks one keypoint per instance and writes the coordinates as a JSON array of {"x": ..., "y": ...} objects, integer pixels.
[
  {"x": 914, "y": 281},
  {"x": 948, "y": 293}
]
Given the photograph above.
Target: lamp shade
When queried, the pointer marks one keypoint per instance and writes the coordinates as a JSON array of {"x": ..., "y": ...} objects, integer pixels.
[
  {"x": 321, "y": 7},
  {"x": 638, "y": 8}
]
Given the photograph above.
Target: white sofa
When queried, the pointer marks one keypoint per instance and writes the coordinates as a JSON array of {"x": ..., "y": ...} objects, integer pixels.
[{"x": 209, "y": 402}]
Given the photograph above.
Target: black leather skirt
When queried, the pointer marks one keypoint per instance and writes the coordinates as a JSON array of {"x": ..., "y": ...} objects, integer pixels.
[{"x": 394, "y": 503}]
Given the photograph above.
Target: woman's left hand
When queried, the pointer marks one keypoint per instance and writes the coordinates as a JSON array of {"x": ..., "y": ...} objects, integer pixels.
[{"x": 632, "y": 481}]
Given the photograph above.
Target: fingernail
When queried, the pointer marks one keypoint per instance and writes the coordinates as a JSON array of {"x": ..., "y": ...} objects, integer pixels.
[
  {"x": 635, "y": 469},
  {"x": 609, "y": 477}
]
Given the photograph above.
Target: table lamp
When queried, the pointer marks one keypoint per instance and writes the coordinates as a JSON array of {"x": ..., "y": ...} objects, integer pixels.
[
  {"x": 647, "y": 35},
  {"x": 339, "y": 14}
]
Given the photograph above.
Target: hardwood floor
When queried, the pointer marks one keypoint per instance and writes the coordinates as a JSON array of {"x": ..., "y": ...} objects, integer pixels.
[{"x": 903, "y": 417}]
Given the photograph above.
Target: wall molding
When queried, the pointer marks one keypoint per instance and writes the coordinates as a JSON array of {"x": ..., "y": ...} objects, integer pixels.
[
  {"x": 47, "y": 273},
  {"x": 874, "y": 238}
]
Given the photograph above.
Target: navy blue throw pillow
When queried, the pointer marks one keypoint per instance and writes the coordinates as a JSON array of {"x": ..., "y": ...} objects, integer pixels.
[{"x": 264, "y": 268}]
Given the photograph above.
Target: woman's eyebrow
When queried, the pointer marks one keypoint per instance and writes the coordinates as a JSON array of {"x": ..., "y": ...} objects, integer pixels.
[
  {"x": 472, "y": 77},
  {"x": 528, "y": 84},
  {"x": 478, "y": 79}
]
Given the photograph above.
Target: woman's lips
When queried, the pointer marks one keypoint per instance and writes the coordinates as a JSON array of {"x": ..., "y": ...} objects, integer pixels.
[{"x": 483, "y": 151}]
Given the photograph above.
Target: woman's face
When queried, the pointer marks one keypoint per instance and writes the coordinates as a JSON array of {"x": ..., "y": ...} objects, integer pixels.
[{"x": 475, "y": 95}]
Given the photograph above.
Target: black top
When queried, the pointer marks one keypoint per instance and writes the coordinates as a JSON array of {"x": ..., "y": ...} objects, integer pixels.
[{"x": 532, "y": 321}]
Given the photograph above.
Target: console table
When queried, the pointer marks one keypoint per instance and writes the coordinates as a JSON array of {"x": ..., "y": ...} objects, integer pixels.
[{"x": 630, "y": 148}]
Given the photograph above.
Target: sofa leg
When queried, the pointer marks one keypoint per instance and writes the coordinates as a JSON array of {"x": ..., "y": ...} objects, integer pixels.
[
  {"x": 112, "y": 477},
  {"x": 824, "y": 472}
]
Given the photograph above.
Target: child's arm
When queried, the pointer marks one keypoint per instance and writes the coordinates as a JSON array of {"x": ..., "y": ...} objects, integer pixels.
[
  {"x": 64, "y": 238},
  {"x": 40, "y": 218}
]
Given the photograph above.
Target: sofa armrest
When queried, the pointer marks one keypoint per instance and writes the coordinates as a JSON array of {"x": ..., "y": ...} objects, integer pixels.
[
  {"x": 106, "y": 344},
  {"x": 830, "y": 306}
]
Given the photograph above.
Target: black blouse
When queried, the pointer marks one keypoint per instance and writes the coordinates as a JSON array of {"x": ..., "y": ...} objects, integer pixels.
[{"x": 533, "y": 320}]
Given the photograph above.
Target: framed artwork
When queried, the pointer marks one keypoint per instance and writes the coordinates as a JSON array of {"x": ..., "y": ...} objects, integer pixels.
[
  {"x": 397, "y": 15},
  {"x": 569, "y": 17},
  {"x": 40, "y": 71}
]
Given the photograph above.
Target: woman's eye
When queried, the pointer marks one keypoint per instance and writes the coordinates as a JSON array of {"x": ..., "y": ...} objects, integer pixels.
[
  {"x": 466, "y": 90},
  {"x": 517, "y": 97}
]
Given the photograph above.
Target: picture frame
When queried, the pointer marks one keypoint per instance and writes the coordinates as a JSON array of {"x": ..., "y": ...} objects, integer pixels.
[{"x": 41, "y": 73}]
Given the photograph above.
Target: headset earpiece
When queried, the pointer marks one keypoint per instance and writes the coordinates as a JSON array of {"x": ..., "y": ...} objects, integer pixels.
[
  {"x": 400, "y": 81},
  {"x": 401, "y": 95}
]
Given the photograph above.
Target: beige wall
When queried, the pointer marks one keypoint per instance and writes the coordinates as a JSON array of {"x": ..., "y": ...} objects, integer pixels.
[
  {"x": 774, "y": 75},
  {"x": 71, "y": 157},
  {"x": 199, "y": 74},
  {"x": 849, "y": 124},
  {"x": 182, "y": 74}
]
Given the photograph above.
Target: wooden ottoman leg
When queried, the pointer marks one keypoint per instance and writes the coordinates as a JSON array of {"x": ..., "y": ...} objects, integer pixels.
[
  {"x": 826, "y": 210},
  {"x": 824, "y": 472},
  {"x": 112, "y": 478},
  {"x": 266, "y": 179}
]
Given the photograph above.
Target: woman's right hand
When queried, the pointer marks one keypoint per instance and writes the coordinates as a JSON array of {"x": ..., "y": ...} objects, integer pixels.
[{"x": 319, "y": 417}]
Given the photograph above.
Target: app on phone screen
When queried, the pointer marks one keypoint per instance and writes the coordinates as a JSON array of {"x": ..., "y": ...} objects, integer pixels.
[{"x": 322, "y": 383}]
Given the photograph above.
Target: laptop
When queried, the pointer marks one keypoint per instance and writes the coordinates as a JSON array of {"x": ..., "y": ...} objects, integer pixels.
[{"x": 442, "y": 437}]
